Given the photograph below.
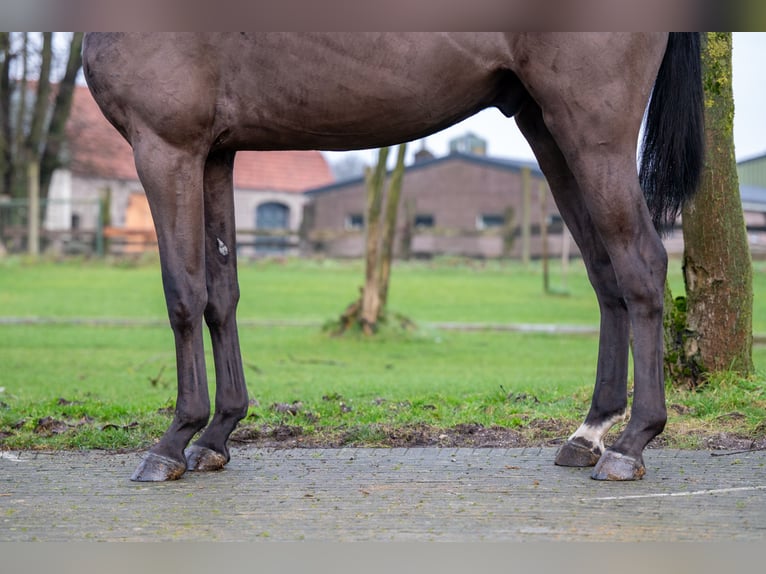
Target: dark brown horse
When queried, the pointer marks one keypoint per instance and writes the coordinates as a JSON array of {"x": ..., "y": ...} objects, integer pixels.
[{"x": 188, "y": 102}]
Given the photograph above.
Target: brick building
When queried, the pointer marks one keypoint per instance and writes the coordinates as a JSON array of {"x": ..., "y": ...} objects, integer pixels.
[{"x": 461, "y": 204}]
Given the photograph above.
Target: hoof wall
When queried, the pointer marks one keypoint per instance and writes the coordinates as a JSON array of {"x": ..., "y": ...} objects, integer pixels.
[
  {"x": 577, "y": 454},
  {"x": 615, "y": 466},
  {"x": 158, "y": 468},
  {"x": 200, "y": 458}
]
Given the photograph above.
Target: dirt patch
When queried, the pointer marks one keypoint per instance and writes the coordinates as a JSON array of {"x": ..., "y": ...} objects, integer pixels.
[
  {"x": 537, "y": 433},
  {"x": 466, "y": 435}
]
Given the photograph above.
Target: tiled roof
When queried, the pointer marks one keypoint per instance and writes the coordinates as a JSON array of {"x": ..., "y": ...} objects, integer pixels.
[
  {"x": 98, "y": 150},
  {"x": 294, "y": 171}
]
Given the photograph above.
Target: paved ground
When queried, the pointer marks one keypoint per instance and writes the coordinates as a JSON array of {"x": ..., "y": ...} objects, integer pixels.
[{"x": 384, "y": 494}]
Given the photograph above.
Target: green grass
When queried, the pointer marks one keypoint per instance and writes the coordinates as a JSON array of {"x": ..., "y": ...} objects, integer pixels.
[
  {"x": 107, "y": 383},
  {"x": 443, "y": 290},
  {"x": 118, "y": 375},
  {"x": 447, "y": 290}
]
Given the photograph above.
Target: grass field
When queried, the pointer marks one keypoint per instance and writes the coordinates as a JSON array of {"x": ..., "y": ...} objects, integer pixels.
[{"x": 113, "y": 385}]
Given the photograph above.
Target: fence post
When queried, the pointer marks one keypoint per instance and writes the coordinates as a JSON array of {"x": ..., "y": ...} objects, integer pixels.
[
  {"x": 543, "y": 189},
  {"x": 33, "y": 221},
  {"x": 100, "y": 227},
  {"x": 526, "y": 208}
]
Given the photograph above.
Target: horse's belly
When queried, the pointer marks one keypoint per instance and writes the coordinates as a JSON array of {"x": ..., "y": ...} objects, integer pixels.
[
  {"x": 355, "y": 91},
  {"x": 375, "y": 126}
]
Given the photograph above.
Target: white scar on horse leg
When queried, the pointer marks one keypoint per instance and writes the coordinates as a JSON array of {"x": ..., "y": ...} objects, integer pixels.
[
  {"x": 595, "y": 434},
  {"x": 222, "y": 249}
]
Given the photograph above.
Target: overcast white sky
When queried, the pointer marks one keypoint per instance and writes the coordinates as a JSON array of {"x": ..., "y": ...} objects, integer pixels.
[{"x": 505, "y": 140}]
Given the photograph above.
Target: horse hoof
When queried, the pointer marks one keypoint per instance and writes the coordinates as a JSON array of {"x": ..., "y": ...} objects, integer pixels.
[
  {"x": 158, "y": 468},
  {"x": 615, "y": 466},
  {"x": 201, "y": 458},
  {"x": 577, "y": 454}
]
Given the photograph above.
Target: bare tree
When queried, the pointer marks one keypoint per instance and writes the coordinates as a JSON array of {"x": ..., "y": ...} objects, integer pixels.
[
  {"x": 6, "y": 157},
  {"x": 32, "y": 134},
  {"x": 32, "y": 124},
  {"x": 370, "y": 309},
  {"x": 51, "y": 155}
]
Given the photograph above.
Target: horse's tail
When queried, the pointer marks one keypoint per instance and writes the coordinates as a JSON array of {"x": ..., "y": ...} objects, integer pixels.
[{"x": 673, "y": 147}]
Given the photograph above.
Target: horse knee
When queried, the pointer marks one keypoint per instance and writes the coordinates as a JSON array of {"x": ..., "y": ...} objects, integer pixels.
[
  {"x": 221, "y": 307},
  {"x": 185, "y": 307}
]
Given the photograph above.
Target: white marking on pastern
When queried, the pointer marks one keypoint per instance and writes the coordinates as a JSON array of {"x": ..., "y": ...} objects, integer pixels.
[{"x": 595, "y": 434}]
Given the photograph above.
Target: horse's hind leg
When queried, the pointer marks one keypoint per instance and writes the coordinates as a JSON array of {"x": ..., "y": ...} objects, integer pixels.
[
  {"x": 209, "y": 452},
  {"x": 610, "y": 397},
  {"x": 172, "y": 179}
]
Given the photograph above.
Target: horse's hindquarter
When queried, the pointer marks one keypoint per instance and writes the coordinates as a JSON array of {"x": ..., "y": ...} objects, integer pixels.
[
  {"x": 320, "y": 91},
  {"x": 579, "y": 80}
]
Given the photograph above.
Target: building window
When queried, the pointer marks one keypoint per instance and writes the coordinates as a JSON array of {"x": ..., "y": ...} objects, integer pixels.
[
  {"x": 490, "y": 220},
  {"x": 424, "y": 220},
  {"x": 354, "y": 221},
  {"x": 272, "y": 216}
]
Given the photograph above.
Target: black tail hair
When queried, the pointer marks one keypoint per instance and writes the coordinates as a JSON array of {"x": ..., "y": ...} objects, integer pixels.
[{"x": 673, "y": 148}]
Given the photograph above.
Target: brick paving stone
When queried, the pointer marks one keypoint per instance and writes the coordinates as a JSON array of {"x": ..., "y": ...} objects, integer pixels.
[{"x": 441, "y": 494}]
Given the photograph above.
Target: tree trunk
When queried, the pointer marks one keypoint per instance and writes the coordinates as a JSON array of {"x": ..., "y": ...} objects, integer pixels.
[
  {"x": 526, "y": 208},
  {"x": 717, "y": 266},
  {"x": 389, "y": 228},
  {"x": 6, "y": 157},
  {"x": 369, "y": 309},
  {"x": 33, "y": 216},
  {"x": 370, "y": 293},
  {"x": 40, "y": 109},
  {"x": 509, "y": 231},
  {"x": 408, "y": 229},
  {"x": 51, "y": 157},
  {"x": 18, "y": 176}
]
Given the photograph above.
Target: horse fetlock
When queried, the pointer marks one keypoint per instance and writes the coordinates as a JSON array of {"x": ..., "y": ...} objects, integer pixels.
[{"x": 591, "y": 433}]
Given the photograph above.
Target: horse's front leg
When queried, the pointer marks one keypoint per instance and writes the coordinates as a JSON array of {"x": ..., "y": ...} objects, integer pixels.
[
  {"x": 173, "y": 183},
  {"x": 210, "y": 452}
]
